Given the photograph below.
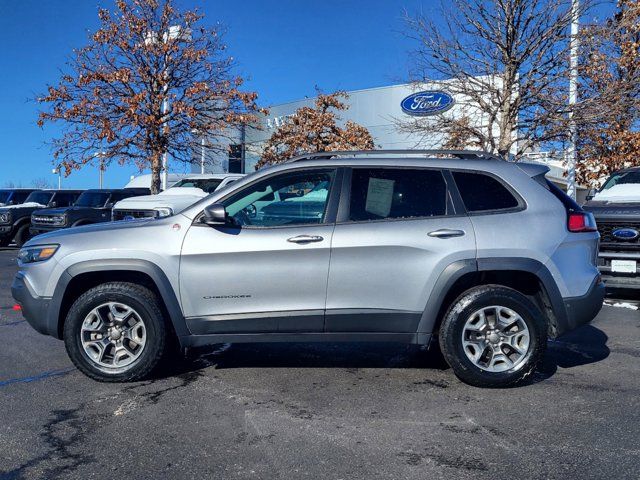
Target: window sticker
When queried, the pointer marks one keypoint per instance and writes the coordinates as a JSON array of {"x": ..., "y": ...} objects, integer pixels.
[{"x": 379, "y": 196}]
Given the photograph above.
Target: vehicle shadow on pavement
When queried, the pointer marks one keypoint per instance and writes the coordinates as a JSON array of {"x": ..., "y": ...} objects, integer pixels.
[
  {"x": 587, "y": 344},
  {"x": 307, "y": 355}
]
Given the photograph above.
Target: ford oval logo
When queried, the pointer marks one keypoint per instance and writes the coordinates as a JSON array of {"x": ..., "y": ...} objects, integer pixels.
[
  {"x": 422, "y": 104},
  {"x": 626, "y": 233}
]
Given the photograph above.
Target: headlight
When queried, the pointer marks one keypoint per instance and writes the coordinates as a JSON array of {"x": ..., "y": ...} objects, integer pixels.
[
  {"x": 38, "y": 253},
  {"x": 5, "y": 217},
  {"x": 162, "y": 212}
]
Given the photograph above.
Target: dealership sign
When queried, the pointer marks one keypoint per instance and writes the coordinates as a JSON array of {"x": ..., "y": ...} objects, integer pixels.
[{"x": 422, "y": 104}]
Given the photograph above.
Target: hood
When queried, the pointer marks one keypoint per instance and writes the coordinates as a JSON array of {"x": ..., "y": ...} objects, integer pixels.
[
  {"x": 59, "y": 235},
  {"x": 626, "y": 192},
  {"x": 184, "y": 192},
  {"x": 53, "y": 211},
  {"x": 22, "y": 205},
  {"x": 611, "y": 209},
  {"x": 149, "y": 202}
]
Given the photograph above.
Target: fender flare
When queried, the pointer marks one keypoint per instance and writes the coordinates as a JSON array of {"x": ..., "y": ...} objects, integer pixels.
[
  {"x": 456, "y": 270},
  {"x": 167, "y": 294}
]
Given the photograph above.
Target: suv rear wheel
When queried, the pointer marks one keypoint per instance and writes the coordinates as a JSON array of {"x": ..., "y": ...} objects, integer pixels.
[
  {"x": 116, "y": 332},
  {"x": 493, "y": 336}
]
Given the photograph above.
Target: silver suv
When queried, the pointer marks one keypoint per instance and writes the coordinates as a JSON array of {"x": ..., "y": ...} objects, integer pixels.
[{"x": 483, "y": 256}]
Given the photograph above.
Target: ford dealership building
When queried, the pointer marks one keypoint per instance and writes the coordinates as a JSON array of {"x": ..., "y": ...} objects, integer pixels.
[{"x": 380, "y": 110}]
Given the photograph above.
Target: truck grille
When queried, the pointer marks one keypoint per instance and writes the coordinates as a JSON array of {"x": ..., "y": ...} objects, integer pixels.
[
  {"x": 128, "y": 214},
  {"x": 607, "y": 239},
  {"x": 44, "y": 220}
]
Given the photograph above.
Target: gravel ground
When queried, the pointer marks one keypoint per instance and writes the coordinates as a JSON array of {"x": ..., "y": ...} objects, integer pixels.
[{"x": 343, "y": 411}]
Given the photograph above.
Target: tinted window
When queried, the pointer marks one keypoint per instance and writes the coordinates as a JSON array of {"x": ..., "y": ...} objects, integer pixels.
[
  {"x": 92, "y": 199},
  {"x": 481, "y": 192},
  {"x": 622, "y": 178},
  {"x": 65, "y": 199},
  {"x": 43, "y": 198},
  {"x": 5, "y": 195},
  {"x": 19, "y": 197},
  {"x": 288, "y": 199},
  {"x": 389, "y": 193}
]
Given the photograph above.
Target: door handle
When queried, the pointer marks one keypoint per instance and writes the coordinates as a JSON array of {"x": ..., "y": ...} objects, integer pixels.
[
  {"x": 305, "y": 239},
  {"x": 446, "y": 233}
]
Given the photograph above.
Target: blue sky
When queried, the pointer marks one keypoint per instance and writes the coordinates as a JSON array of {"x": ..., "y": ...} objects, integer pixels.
[{"x": 284, "y": 47}]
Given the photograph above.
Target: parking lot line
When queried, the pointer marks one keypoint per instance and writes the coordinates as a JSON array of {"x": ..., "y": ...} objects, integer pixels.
[{"x": 35, "y": 378}]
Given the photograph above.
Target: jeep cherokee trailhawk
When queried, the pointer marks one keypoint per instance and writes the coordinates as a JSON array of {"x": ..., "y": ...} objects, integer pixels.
[{"x": 482, "y": 255}]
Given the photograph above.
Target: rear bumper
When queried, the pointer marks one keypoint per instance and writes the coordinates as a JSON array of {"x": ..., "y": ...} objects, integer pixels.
[
  {"x": 35, "y": 309},
  {"x": 583, "y": 309}
]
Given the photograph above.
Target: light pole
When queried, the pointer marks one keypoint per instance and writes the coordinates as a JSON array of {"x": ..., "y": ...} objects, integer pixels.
[
  {"x": 58, "y": 171},
  {"x": 178, "y": 34},
  {"x": 100, "y": 156},
  {"x": 573, "y": 97},
  {"x": 195, "y": 131}
]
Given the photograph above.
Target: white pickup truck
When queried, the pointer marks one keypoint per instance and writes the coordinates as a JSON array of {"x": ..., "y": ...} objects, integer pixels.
[{"x": 185, "y": 192}]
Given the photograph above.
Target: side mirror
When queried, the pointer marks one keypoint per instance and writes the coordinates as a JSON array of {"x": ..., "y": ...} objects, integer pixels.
[
  {"x": 591, "y": 193},
  {"x": 109, "y": 205},
  {"x": 54, "y": 204},
  {"x": 215, "y": 214}
]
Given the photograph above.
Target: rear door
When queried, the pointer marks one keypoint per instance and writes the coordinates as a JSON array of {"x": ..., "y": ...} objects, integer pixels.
[{"x": 396, "y": 235}]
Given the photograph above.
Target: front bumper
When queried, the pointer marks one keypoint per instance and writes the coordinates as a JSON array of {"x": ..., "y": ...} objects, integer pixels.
[
  {"x": 5, "y": 230},
  {"x": 618, "y": 279},
  {"x": 35, "y": 309},
  {"x": 583, "y": 309}
]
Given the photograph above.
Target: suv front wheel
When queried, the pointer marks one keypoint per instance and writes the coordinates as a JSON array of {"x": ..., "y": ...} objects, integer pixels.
[
  {"x": 116, "y": 332},
  {"x": 493, "y": 336}
]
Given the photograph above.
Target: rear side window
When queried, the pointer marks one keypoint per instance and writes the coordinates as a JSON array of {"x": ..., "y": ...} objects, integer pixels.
[
  {"x": 482, "y": 193},
  {"x": 381, "y": 193}
]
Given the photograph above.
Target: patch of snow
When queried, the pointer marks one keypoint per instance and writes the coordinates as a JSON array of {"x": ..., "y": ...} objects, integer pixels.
[
  {"x": 625, "y": 192},
  {"x": 628, "y": 305}
]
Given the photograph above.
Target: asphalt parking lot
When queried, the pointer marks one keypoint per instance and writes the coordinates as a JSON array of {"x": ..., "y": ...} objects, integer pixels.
[{"x": 320, "y": 411}]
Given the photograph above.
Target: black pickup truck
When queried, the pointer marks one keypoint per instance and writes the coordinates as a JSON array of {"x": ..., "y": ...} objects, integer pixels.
[
  {"x": 616, "y": 207},
  {"x": 15, "y": 219},
  {"x": 92, "y": 206}
]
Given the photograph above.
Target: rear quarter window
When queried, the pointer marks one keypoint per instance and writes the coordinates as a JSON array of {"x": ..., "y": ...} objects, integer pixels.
[{"x": 483, "y": 193}]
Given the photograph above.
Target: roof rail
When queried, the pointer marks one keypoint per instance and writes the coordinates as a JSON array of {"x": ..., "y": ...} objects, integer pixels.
[{"x": 462, "y": 154}]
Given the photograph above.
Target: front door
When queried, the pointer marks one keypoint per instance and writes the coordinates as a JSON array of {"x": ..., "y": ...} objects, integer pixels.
[
  {"x": 268, "y": 271},
  {"x": 399, "y": 235}
]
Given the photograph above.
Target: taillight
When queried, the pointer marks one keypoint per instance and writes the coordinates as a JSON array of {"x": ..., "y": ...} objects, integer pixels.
[{"x": 581, "y": 222}]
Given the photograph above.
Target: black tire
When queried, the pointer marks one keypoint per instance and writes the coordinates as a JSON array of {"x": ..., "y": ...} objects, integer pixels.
[
  {"x": 22, "y": 235},
  {"x": 451, "y": 332},
  {"x": 146, "y": 305}
]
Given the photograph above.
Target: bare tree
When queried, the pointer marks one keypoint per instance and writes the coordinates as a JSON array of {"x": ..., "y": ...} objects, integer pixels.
[
  {"x": 316, "y": 129},
  {"x": 152, "y": 81},
  {"x": 506, "y": 60},
  {"x": 610, "y": 78},
  {"x": 41, "y": 182}
]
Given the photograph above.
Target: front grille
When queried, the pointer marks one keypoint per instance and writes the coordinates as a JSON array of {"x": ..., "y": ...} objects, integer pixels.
[
  {"x": 44, "y": 220},
  {"x": 128, "y": 214},
  {"x": 607, "y": 239}
]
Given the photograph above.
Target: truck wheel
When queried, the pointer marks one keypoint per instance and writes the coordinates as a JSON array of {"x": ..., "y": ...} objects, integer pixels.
[
  {"x": 22, "y": 235},
  {"x": 493, "y": 336},
  {"x": 116, "y": 332}
]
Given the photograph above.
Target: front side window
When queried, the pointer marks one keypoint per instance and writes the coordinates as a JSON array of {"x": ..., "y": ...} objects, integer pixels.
[
  {"x": 622, "y": 178},
  {"x": 481, "y": 192},
  {"x": 386, "y": 193},
  {"x": 296, "y": 198}
]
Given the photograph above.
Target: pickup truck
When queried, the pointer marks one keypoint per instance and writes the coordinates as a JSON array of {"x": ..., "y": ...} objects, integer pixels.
[
  {"x": 182, "y": 194},
  {"x": 616, "y": 207}
]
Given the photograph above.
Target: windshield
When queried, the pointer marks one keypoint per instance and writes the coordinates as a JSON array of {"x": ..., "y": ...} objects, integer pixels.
[
  {"x": 622, "y": 179},
  {"x": 4, "y": 195},
  {"x": 42, "y": 198},
  {"x": 208, "y": 185},
  {"x": 92, "y": 199}
]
